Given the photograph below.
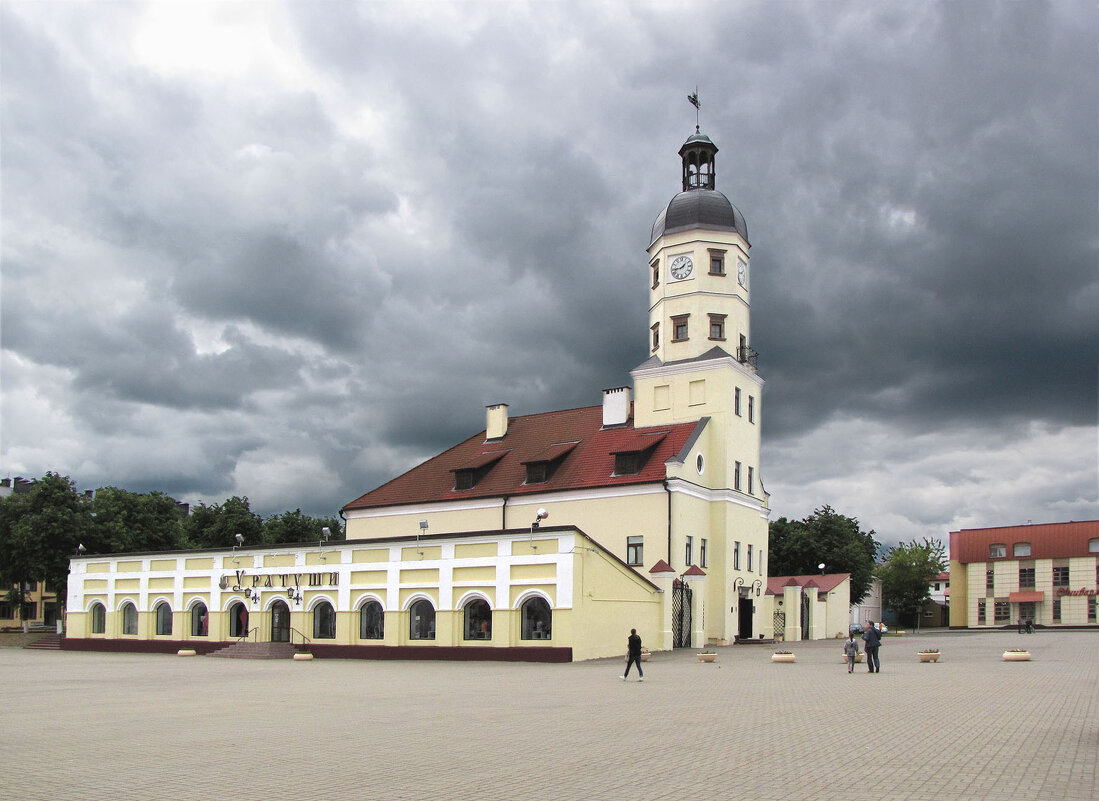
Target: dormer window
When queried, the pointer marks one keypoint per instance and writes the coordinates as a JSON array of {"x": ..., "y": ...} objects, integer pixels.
[
  {"x": 630, "y": 457},
  {"x": 469, "y": 475},
  {"x": 541, "y": 468}
]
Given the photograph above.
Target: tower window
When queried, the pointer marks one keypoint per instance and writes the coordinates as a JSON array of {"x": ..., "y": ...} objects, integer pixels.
[
  {"x": 679, "y": 328},
  {"x": 656, "y": 273},
  {"x": 751, "y": 480},
  {"x": 717, "y": 262},
  {"x": 751, "y": 409},
  {"x": 736, "y": 476},
  {"x": 656, "y": 335},
  {"x": 736, "y": 401},
  {"x": 717, "y": 327}
]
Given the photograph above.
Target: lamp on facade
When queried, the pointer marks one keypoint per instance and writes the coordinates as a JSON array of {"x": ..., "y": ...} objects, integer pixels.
[
  {"x": 240, "y": 541},
  {"x": 738, "y": 584},
  {"x": 294, "y": 594},
  {"x": 757, "y": 585}
]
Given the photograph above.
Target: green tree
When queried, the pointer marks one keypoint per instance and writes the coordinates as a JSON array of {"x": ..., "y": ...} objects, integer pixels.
[
  {"x": 297, "y": 527},
  {"x": 217, "y": 526},
  {"x": 797, "y": 547},
  {"x": 125, "y": 521},
  {"x": 907, "y": 574},
  {"x": 40, "y": 531}
]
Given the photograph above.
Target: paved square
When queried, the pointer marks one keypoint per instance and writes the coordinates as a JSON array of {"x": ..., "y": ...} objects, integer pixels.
[{"x": 77, "y": 726}]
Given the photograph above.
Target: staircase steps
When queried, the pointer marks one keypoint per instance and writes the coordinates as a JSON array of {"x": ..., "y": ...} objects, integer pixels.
[
  {"x": 257, "y": 650},
  {"x": 51, "y": 642}
]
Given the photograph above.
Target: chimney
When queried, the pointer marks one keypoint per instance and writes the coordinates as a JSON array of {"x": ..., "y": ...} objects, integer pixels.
[
  {"x": 616, "y": 406},
  {"x": 496, "y": 421}
]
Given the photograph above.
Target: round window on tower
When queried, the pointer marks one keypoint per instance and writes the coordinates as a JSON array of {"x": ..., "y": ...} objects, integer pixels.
[{"x": 700, "y": 464}]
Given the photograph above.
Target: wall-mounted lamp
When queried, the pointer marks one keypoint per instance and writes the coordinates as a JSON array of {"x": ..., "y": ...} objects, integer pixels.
[
  {"x": 294, "y": 594},
  {"x": 423, "y": 530},
  {"x": 757, "y": 585},
  {"x": 240, "y": 541},
  {"x": 542, "y": 515}
]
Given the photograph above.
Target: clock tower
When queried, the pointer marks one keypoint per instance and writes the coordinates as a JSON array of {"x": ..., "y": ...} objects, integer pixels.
[{"x": 701, "y": 367}]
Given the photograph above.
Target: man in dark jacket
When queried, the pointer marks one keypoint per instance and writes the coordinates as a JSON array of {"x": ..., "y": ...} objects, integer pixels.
[
  {"x": 633, "y": 655},
  {"x": 872, "y": 637}
]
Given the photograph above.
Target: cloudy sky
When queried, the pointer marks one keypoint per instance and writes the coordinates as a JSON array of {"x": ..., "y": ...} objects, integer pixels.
[{"x": 289, "y": 250}]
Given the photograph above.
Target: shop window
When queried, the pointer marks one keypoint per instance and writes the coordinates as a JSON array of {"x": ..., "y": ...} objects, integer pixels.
[
  {"x": 129, "y": 618},
  {"x": 1056, "y": 611},
  {"x": 421, "y": 621},
  {"x": 1021, "y": 549},
  {"x": 1002, "y": 612},
  {"x": 238, "y": 620},
  {"x": 1060, "y": 576},
  {"x": 1026, "y": 578},
  {"x": 981, "y": 612},
  {"x": 635, "y": 551},
  {"x": 324, "y": 621},
  {"x": 371, "y": 621},
  {"x": 478, "y": 620},
  {"x": 200, "y": 620},
  {"x": 537, "y": 619},
  {"x": 997, "y": 551},
  {"x": 163, "y": 619},
  {"x": 99, "y": 618}
]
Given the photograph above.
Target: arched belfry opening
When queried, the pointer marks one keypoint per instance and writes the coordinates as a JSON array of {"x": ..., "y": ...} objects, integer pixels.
[{"x": 698, "y": 162}]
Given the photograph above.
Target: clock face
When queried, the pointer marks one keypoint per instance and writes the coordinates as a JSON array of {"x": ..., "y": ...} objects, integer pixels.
[
  {"x": 742, "y": 273},
  {"x": 681, "y": 267}
]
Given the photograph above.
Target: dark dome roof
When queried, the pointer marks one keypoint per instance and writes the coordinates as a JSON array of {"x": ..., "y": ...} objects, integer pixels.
[{"x": 699, "y": 208}]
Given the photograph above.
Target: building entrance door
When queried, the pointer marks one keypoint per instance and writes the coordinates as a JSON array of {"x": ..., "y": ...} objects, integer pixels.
[
  {"x": 745, "y": 609},
  {"x": 280, "y": 622}
]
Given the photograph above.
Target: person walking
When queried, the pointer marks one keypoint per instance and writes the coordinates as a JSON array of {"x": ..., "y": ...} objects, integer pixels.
[
  {"x": 851, "y": 649},
  {"x": 633, "y": 655},
  {"x": 872, "y": 638}
]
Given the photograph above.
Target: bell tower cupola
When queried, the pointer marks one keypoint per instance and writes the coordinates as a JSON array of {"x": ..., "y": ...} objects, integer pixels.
[{"x": 698, "y": 162}]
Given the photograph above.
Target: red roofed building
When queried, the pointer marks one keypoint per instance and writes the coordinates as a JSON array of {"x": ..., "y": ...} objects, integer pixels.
[
  {"x": 813, "y": 607},
  {"x": 663, "y": 472},
  {"x": 1047, "y": 573}
]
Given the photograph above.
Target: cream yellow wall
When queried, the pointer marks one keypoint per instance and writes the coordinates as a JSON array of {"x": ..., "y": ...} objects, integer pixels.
[
  {"x": 959, "y": 594},
  {"x": 610, "y": 599}
]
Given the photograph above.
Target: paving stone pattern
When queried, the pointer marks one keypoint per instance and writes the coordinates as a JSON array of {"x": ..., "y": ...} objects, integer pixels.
[{"x": 78, "y": 726}]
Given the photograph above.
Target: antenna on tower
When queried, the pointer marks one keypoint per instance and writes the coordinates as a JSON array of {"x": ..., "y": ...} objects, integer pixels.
[{"x": 693, "y": 100}]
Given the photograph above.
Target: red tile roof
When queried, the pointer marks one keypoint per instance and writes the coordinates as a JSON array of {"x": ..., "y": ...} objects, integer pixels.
[
  {"x": 825, "y": 583},
  {"x": 1047, "y": 541},
  {"x": 588, "y": 464}
]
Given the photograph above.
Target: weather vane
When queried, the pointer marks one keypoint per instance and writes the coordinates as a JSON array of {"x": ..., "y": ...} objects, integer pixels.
[{"x": 693, "y": 100}]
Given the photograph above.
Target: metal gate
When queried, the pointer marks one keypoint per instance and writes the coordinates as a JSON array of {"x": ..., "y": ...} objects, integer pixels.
[
  {"x": 681, "y": 614},
  {"x": 805, "y": 617},
  {"x": 778, "y": 623}
]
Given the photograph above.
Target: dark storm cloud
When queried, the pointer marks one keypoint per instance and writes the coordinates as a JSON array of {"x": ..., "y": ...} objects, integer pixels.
[{"x": 310, "y": 275}]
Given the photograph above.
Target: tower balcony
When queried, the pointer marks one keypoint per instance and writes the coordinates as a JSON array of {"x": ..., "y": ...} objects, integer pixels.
[{"x": 747, "y": 356}]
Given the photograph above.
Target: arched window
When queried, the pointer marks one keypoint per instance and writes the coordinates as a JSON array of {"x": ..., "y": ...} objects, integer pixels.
[
  {"x": 421, "y": 621},
  {"x": 99, "y": 618},
  {"x": 537, "y": 619},
  {"x": 163, "y": 618},
  {"x": 129, "y": 618},
  {"x": 324, "y": 621},
  {"x": 478, "y": 620},
  {"x": 200, "y": 621},
  {"x": 371, "y": 621},
  {"x": 238, "y": 620}
]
